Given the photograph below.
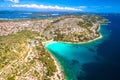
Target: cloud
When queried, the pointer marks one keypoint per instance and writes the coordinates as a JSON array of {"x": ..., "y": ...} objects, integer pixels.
[
  {"x": 14, "y": 1},
  {"x": 83, "y": 7},
  {"x": 46, "y": 7}
]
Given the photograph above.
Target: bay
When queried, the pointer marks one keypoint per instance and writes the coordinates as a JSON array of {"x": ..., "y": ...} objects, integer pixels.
[{"x": 96, "y": 60}]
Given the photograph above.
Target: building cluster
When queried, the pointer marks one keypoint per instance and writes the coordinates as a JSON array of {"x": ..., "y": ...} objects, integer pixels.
[{"x": 60, "y": 28}]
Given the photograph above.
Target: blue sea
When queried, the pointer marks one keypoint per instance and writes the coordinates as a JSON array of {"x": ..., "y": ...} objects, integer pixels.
[
  {"x": 96, "y": 60},
  {"x": 16, "y": 15}
]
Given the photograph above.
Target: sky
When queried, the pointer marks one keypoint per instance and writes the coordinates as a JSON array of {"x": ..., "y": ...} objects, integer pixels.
[{"x": 62, "y": 5}]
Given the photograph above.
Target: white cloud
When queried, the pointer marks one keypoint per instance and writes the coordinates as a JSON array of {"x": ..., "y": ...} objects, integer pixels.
[
  {"x": 46, "y": 7},
  {"x": 14, "y": 1},
  {"x": 83, "y": 7}
]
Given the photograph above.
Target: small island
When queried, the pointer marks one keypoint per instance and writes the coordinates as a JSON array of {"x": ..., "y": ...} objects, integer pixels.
[{"x": 22, "y": 44}]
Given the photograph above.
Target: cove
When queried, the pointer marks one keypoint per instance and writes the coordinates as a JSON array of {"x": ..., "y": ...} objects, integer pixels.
[{"x": 72, "y": 57}]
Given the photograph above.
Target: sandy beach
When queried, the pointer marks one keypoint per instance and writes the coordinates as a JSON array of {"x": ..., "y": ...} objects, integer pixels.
[
  {"x": 52, "y": 41},
  {"x": 59, "y": 67},
  {"x": 59, "y": 75}
]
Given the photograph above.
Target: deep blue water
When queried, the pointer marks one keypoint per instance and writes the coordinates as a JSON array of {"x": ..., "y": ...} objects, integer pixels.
[
  {"x": 97, "y": 60},
  {"x": 13, "y": 15},
  {"x": 109, "y": 68}
]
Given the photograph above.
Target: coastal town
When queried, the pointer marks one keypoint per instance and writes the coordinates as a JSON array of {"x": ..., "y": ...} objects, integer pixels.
[
  {"x": 65, "y": 28},
  {"x": 22, "y": 53}
]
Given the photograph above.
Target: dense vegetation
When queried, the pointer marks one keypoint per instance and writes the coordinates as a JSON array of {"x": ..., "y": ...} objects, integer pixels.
[
  {"x": 11, "y": 46},
  {"x": 13, "y": 52}
]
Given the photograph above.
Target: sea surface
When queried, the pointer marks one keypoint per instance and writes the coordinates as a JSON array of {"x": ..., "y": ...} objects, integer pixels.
[
  {"x": 16, "y": 15},
  {"x": 96, "y": 60}
]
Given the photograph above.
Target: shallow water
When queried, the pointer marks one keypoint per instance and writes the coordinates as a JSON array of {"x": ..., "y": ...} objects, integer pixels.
[
  {"x": 89, "y": 61},
  {"x": 73, "y": 56}
]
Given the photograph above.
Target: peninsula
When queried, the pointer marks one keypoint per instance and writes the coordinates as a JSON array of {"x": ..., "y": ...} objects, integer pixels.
[{"x": 22, "y": 52}]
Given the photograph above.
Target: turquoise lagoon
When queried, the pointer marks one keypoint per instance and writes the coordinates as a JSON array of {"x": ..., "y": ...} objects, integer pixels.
[{"x": 73, "y": 56}]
